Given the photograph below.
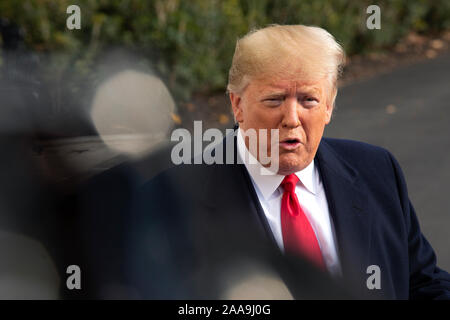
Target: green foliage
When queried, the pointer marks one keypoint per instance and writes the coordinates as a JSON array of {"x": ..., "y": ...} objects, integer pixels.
[{"x": 191, "y": 43}]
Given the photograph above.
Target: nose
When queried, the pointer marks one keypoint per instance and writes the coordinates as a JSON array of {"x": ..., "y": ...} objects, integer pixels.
[{"x": 291, "y": 117}]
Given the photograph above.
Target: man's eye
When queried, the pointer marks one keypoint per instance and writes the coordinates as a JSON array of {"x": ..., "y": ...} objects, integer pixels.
[
  {"x": 310, "y": 101},
  {"x": 273, "y": 101}
]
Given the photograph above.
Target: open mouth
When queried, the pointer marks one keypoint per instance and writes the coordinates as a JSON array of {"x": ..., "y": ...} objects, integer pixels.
[{"x": 290, "y": 143}]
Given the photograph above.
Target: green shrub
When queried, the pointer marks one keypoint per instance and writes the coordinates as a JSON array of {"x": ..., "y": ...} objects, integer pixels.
[{"x": 190, "y": 43}]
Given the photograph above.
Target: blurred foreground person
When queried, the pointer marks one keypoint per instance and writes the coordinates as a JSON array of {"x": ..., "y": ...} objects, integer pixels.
[
  {"x": 321, "y": 214},
  {"x": 30, "y": 242}
]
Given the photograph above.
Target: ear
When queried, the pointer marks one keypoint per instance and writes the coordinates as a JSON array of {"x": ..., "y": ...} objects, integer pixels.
[
  {"x": 236, "y": 105},
  {"x": 329, "y": 112},
  {"x": 330, "y": 106}
]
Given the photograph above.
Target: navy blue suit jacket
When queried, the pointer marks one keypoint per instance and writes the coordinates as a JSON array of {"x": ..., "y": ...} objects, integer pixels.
[
  {"x": 200, "y": 212},
  {"x": 375, "y": 221}
]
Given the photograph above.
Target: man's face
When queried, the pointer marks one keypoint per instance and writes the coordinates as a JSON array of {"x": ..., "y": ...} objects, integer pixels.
[{"x": 299, "y": 109}]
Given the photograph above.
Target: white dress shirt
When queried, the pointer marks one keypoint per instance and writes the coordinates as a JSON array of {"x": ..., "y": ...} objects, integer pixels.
[{"x": 312, "y": 198}]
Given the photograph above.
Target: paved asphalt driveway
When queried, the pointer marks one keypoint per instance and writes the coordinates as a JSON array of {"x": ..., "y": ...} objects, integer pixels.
[{"x": 407, "y": 112}]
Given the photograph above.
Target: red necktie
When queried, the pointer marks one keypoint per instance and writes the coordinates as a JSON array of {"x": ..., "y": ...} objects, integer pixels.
[{"x": 298, "y": 234}]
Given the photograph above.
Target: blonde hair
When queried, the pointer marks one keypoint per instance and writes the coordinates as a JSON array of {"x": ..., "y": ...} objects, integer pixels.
[{"x": 288, "y": 51}]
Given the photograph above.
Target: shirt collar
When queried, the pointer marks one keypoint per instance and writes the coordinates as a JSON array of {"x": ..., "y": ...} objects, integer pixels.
[{"x": 269, "y": 183}]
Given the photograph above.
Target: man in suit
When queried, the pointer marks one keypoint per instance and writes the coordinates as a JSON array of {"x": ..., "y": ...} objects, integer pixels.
[{"x": 333, "y": 219}]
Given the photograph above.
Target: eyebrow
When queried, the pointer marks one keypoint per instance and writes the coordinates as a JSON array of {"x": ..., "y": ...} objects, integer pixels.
[
  {"x": 301, "y": 90},
  {"x": 274, "y": 95}
]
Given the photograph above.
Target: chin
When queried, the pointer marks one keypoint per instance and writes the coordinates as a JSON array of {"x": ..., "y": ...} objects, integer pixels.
[
  {"x": 290, "y": 163},
  {"x": 289, "y": 168}
]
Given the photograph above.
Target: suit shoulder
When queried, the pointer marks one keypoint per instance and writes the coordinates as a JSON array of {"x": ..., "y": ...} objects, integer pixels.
[
  {"x": 374, "y": 164},
  {"x": 362, "y": 155}
]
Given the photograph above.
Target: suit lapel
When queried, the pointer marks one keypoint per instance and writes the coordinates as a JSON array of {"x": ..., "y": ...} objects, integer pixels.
[{"x": 348, "y": 209}]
